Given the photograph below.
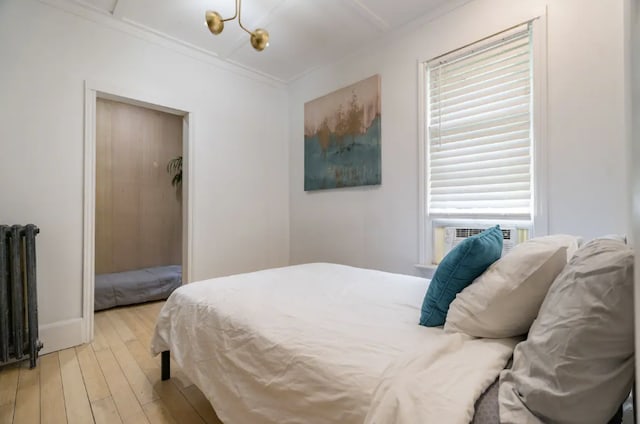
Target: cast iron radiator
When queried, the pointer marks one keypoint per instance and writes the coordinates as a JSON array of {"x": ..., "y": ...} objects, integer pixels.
[{"x": 18, "y": 295}]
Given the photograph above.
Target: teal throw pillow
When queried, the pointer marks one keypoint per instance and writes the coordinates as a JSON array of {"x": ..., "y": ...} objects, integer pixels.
[{"x": 463, "y": 264}]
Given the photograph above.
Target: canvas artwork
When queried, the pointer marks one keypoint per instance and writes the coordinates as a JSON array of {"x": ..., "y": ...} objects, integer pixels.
[{"x": 342, "y": 137}]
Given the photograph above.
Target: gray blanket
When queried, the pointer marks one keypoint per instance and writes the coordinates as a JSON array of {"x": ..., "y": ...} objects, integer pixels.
[
  {"x": 138, "y": 286},
  {"x": 488, "y": 409}
]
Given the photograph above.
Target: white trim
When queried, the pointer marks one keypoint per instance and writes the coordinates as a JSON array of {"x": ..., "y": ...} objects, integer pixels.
[
  {"x": 188, "y": 143},
  {"x": 61, "y": 335},
  {"x": 116, "y": 21},
  {"x": 540, "y": 221},
  {"x": 155, "y": 101},
  {"x": 427, "y": 267},
  {"x": 368, "y": 14},
  {"x": 426, "y": 270},
  {"x": 171, "y": 38},
  {"x": 93, "y": 7},
  {"x": 424, "y": 230},
  {"x": 482, "y": 223},
  {"x": 540, "y": 137},
  {"x": 118, "y": 9},
  {"x": 88, "y": 249}
]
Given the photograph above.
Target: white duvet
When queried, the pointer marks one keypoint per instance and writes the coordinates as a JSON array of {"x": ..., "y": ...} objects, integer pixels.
[{"x": 324, "y": 343}]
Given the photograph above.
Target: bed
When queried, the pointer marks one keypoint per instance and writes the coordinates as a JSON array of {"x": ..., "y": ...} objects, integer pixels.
[
  {"x": 324, "y": 343},
  {"x": 136, "y": 286}
]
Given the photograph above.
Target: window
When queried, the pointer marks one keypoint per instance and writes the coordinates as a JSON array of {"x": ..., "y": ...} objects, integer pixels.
[{"x": 480, "y": 147}]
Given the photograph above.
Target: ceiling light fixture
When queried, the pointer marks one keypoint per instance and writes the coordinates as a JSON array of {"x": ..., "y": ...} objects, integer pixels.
[{"x": 259, "y": 37}]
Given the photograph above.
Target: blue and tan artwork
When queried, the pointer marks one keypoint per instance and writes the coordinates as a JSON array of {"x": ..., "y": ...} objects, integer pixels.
[{"x": 342, "y": 137}]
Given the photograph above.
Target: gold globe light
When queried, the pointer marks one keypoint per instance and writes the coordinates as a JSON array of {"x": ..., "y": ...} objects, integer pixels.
[
  {"x": 214, "y": 22},
  {"x": 259, "y": 37}
]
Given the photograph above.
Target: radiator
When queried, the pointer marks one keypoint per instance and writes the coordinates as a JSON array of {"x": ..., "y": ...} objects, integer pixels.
[{"x": 18, "y": 294}]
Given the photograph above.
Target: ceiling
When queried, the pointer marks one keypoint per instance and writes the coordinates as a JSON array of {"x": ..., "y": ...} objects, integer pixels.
[{"x": 305, "y": 34}]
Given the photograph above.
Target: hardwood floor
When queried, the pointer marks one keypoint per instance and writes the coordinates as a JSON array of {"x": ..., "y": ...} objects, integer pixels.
[{"x": 114, "y": 379}]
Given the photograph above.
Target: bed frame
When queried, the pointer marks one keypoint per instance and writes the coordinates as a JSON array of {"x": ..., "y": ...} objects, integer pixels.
[{"x": 165, "y": 366}]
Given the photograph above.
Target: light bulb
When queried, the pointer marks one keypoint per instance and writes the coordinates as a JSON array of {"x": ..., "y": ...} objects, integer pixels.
[
  {"x": 260, "y": 39},
  {"x": 214, "y": 22}
]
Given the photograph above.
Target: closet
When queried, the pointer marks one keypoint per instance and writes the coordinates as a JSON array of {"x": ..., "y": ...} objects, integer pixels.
[{"x": 138, "y": 227}]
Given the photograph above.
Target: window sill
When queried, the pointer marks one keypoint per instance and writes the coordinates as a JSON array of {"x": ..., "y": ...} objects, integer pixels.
[{"x": 427, "y": 267}]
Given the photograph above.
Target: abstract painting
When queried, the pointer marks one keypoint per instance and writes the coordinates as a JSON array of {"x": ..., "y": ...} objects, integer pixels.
[{"x": 342, "y": 137}]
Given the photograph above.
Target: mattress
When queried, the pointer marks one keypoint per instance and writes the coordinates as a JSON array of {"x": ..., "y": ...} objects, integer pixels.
[
  {"x": 323, "y": 343},
  {"x": 137, "y": 286}
]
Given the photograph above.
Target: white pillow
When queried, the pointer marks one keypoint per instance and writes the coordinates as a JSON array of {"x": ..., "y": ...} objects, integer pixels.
[
  {"x": 573, "y": 243},
  {"x": 504, "y": 301},
  {"x": 618, "y": 237}
]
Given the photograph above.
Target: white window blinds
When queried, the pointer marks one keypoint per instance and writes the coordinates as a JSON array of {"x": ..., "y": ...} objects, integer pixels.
[{"x": 480, "y": 127}]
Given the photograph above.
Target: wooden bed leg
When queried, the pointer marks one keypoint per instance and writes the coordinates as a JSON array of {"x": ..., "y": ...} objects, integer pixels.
[{"x": 166, "y": 366}]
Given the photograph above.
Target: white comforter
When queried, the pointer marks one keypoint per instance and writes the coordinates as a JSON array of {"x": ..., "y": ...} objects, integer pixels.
[{"x": 324, "y": 343}]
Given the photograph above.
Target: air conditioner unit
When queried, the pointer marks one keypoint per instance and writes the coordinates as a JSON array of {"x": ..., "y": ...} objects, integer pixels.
[{"x": 454, "y": 235}]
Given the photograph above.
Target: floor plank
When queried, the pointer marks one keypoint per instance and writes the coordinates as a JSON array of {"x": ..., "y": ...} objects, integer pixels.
[
  {"x": 75, "y": 393},
  {"x": 114, "y": 379},
  {"x": 94, "y": 381},
  {"x": 52, "y": 408},
  {"x": 105, "y": 412},
  {"x": 9, "y": 384},
  {"x": 151, "y": 366},
  {"x": 137, "y": 328},
  {"x": 174, "y": 399},
  {"x": 137, "y": 379},
  {"x": 107, "y": 330},
  {"x": 147, "y": 322},
  {"x": 6, "y": 413},
  {"x": 99, "y": 341},
  {"x": 121, "y": 328},
  {"x": 27, "y": 409},
  {"x": 168, "y": 390},
  {"x": 123, "y": 396},
  {"x": 157, "y": 413},
  {"x": 137, "y": 418},
  {"x": 201, "y": 404}
]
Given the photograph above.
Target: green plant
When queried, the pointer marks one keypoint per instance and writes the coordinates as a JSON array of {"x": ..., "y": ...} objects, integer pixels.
[{"x": 174, "y": 168}]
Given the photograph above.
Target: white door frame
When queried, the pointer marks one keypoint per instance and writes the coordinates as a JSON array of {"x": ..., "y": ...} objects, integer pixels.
[{"x": 164, "y": 103}]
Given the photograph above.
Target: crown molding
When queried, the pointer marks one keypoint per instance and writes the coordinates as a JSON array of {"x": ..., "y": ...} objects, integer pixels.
[
  {"x": 92, "y": 7},
  {"x": 162, "y": 39},
  {"x": 118, "y": 9},
  {"x": 370, "y": 15},
  {"x": 223, "y": 61}
]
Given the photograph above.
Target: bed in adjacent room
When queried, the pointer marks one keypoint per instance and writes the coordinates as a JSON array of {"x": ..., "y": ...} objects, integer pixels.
[
  {"x": 136, "y": 286},
  {"x": 326, "y": 342}
]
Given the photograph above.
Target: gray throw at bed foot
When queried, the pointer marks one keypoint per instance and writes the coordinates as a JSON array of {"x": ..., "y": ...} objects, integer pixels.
[{"x": 137, "y": 286}]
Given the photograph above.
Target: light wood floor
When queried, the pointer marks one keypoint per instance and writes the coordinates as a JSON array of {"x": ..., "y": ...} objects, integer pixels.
[{"x": 112, "y": 380}]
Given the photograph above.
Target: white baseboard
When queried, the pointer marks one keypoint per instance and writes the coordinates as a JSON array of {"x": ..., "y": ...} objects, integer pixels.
[{"x": 61, "y": 335}]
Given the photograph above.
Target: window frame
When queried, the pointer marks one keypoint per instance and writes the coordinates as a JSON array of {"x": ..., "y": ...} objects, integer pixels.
[{"x": 538, "y": 223}]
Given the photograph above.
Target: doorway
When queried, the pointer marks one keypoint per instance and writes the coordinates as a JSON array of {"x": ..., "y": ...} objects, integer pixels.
[
  {"x": 138, "y": 212},
  {"x": 137, "y": 197}
]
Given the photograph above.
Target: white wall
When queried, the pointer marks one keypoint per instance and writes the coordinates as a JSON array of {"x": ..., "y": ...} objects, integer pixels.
[
  {"x": 587, "y": 162},
  {"x": 241, "y": 164}
]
